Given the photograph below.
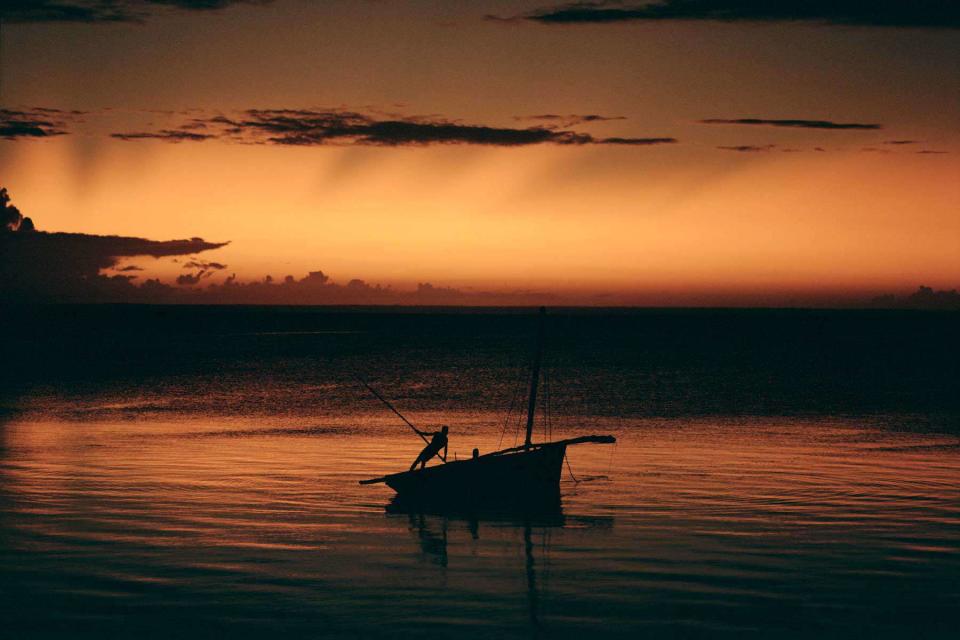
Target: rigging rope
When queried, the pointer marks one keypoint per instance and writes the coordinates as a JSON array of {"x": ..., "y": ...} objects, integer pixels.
[
  {"x": 506, "y": 420},
  {"x": 550, "y": 409},
  {"x": 548, "y": 404},
  {"x": 521, "y": 385},
  {"x": 567, "y": 460},
  {"x": 545, "y": 412}
]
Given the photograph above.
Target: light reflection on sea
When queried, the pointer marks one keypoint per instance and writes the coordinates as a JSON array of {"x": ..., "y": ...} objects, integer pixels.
[
  {"x": 192, "y": 472},
  {"x": 209, "y": 525}
]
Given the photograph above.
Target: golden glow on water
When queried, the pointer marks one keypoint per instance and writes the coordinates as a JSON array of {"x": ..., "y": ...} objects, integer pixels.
[{"x": 247, "y": 519}]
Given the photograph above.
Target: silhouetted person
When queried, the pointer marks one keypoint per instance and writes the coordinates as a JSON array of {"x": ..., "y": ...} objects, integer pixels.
[
  {"x": 438, "y": 441},
  {"x": 476, "y": 453}
]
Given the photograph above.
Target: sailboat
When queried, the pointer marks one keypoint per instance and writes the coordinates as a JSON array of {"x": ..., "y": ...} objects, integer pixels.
[{"x": 527, "y": 474}]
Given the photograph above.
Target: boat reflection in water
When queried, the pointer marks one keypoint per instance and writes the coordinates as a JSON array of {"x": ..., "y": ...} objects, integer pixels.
[{"x": 432, "y": 530}]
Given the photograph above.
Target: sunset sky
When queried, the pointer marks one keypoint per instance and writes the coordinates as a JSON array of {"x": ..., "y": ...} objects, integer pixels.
[{"x": 620, "y": 152}]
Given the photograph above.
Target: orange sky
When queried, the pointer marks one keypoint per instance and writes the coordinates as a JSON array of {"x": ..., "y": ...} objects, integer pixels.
[{"x": 644, "y": 223}]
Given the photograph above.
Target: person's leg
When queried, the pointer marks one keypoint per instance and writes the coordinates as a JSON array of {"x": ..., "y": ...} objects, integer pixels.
[{"x": 422, "y": 458}]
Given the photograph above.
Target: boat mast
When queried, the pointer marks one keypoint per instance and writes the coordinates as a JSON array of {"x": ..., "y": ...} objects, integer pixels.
[{"x": 535, "y": 378}]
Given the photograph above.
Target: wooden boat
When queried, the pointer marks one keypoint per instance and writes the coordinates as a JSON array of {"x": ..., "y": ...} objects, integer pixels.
[{"x": 526, "y": 474}]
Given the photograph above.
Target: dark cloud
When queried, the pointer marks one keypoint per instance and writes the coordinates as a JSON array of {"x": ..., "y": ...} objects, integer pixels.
[
  {"x": 307, "y": 127},
  {"x": 901, "y": 142},
  {"x": 206, "y": 266},
  {"x": 640, "y": 142},
  {"x": 65, "y": 11},
  {"x": 202, "y": 5},
  {"x": 166, "y": 135},
  {"x": 928, "y": 14},
  {"x": 318, "y": 288},
  {"x": 796, "y": 124},
  {"x": 569, "y": 120},
  {"x": 923, "y": 298},
  {"x": 748, "y": 148},
  {"x": 67, "y": 266},
  {"x": 10, "y": 217},
  {"x": 36, "y": 265},
  {"x": 37, "y": 122},
  {"x": 93, "y": 11},
  {"x": 189, "y": 279}
]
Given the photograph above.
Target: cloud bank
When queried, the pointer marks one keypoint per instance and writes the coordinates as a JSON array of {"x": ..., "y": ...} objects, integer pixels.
[
  {"x": 36, "y": 122},
  {"x": 105, "y": 11},
  {"x": 41, "y": 267},
  {"x": 569, "y": 120},
  {"x": 321, "y": 127},
  {"x": 747, "y": 148},
  {"x": 36, "y": 265},
  {"x": 795, "y": 124},
  {"x": 922, "y": 14},
  {"x": 923, "y": 298},
  {"x": 167, "y": 135}
]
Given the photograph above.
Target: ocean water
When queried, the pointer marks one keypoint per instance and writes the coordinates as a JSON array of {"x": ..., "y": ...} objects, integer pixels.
[{"x": 193, "y": 472}]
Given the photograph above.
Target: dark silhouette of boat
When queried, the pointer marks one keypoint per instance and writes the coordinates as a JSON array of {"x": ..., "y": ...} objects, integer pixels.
[{"x": 528, "y": 474}]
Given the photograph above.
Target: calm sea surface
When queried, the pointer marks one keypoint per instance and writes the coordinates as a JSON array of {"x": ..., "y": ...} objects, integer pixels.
[{"x": 183, "y": 472}]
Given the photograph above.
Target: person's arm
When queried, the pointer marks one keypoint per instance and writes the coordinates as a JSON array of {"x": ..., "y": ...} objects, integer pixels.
[{"x": 445, "y": 451}]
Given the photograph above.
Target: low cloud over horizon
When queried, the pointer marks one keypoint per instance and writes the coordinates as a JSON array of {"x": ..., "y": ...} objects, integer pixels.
[
  {"x": 43, "y": 267},
  {"x": 55, "y": 266},
  {"x": 46, "y": 267}
]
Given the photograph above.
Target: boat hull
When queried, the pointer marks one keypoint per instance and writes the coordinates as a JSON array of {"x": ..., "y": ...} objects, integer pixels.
[{"x": 519, "y": 476}]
